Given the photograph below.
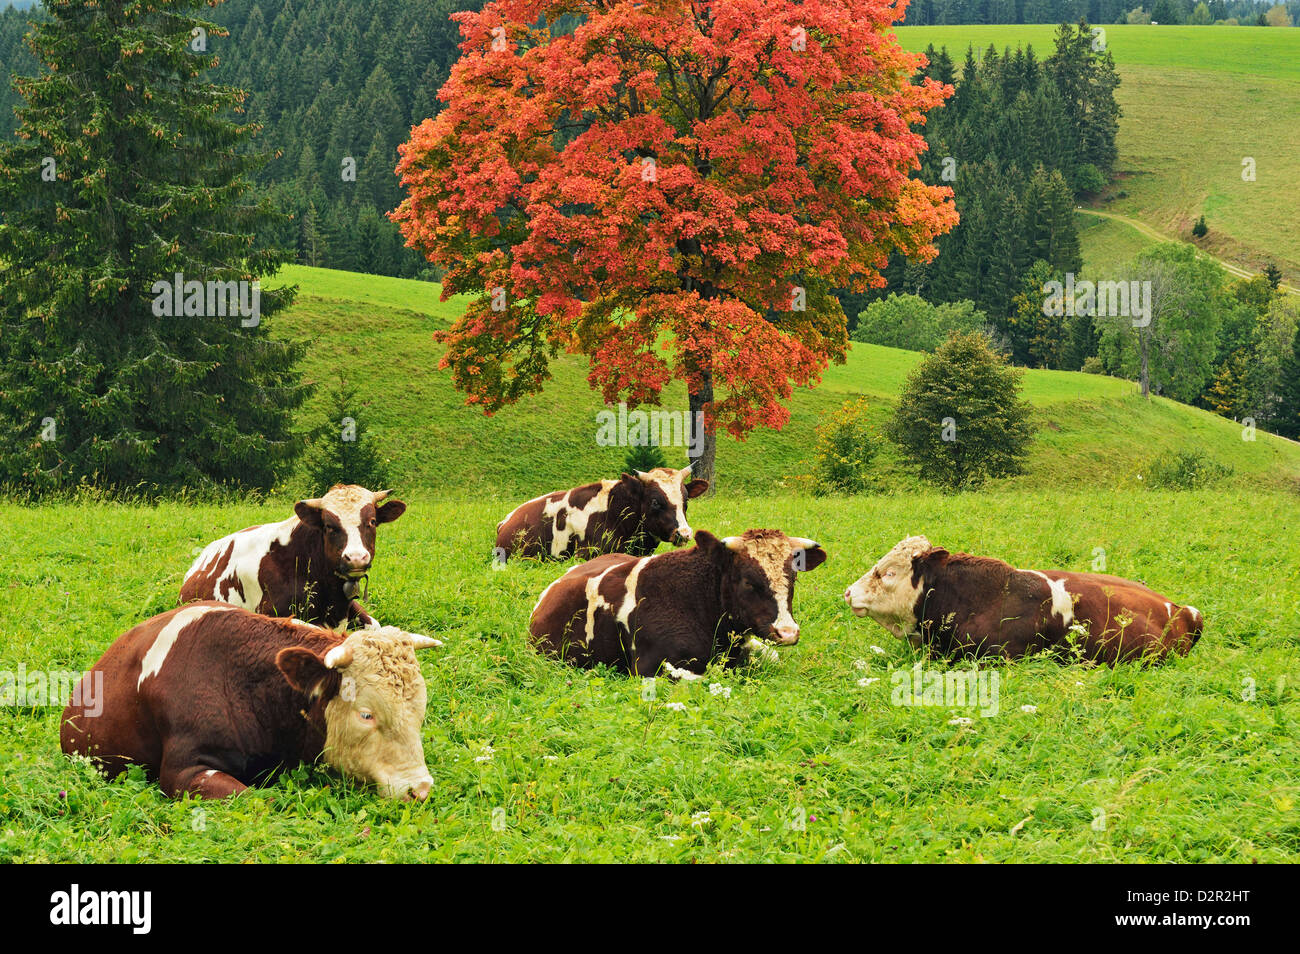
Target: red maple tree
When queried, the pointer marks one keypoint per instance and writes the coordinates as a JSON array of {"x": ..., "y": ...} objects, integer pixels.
[{"x": 673, "y": 189}]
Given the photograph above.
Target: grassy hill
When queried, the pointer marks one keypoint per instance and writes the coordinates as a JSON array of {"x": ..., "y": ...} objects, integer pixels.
[
  {"x": 1196, "y": 101},
  {"x": 1093, "y": 431}
]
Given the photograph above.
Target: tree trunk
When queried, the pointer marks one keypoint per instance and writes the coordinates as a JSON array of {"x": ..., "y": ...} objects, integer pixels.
[
  {"x": 1144, "y": 343},
  {"x": 702, "y": 464}
]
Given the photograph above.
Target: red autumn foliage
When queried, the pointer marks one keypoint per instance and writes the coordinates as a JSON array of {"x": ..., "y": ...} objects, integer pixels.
[{"x": 660, "y": 184}]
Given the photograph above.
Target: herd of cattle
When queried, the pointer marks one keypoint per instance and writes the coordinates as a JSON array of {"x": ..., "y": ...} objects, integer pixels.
[{"x": 256, "y": 669}]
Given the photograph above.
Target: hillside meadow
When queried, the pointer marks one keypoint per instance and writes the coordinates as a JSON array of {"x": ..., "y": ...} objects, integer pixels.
[
  {"x": 1093, "y": 431},
  {"x": 804, "y": 759},
  {"x": 1197, "y": 101}
]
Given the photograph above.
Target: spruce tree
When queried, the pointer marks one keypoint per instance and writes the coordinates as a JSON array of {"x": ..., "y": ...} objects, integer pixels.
[{"x": 128, "y": 172}]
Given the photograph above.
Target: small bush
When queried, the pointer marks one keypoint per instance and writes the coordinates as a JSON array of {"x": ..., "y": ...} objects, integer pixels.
[
  {"x": 846, "y": 445},
  {"x": 960, "y": 418},
  {"x": 1088, "y": 178},
  {"x": 1183, "y": 470},
  {"x": 644, "y": 457},
  {"x": 343, "y": 450},
  {"x": 1200, "y": 228},
  {"x": 1093, "y": 365}
]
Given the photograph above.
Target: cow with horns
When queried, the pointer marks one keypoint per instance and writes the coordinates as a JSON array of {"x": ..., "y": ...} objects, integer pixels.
[
  {"x": 310, "y": 565},
  {"x": 975, "y": 606},
  {"x": 679, "y": 610},
  {"x": 210, "y": 698},
  {"x": 630, "y": 515}
]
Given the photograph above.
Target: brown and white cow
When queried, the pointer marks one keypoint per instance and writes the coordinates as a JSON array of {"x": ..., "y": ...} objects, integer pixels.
[
  {"x": 973, "y": 606},
  {"x": 210, "y": 698},
  {"x": 310, "y": 565},
  {"x": 629, "y": 515},
  {"x": 677, "y": 610}
]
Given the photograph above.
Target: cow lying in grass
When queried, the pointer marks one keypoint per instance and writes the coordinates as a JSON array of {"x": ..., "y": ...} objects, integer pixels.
[
  {"x": 210, "y": 699},
  {"x": 629, "y": 515},
  {"x": 971, "y": 605},
  {"x": 310, "y": 565},
  {"x": 677, "y": 610}
]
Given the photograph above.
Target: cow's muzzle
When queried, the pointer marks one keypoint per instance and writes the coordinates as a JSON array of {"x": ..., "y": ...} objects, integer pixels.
[
  {"x": 680, "y": 537},
  {"x": 859, "y": 609},
  {"x": 784, "y": 635}
]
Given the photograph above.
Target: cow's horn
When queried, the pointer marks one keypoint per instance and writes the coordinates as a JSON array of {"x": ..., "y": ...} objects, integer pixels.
[
  {"x": 731, "y": 543},
  {"x": 380, "y": 495},
  {"x": 420, "y": 641},
  {"x": 803, "y": 543},
  {"x": 340, "y": 657},
  {"x": 642, "y": 474},
  {"x": 315, "y": 502}
]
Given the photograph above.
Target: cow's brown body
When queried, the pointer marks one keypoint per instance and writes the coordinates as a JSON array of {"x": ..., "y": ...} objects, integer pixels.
[
  {"x": 676, "y": 610},
  {"x": 631, "y": 515},
  {"x": 217, "y": 715},
  {"x": 972, "y": 606},
  {"x": 308, "y": 566}
]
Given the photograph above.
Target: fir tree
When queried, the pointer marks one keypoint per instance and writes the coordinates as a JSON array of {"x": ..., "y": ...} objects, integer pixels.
[{"x": 128, "y": 173}]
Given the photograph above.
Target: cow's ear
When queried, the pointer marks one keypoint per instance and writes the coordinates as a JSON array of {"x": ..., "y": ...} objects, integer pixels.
[
  {"x": 809, "y": 558},
  {"x": 302, "y": 668},
  {"x": 308, "y": 512},
  {"x": 695, "y": 488},
  {"x": 632, "y": 483},
  {"x": 931, "y": 557},
  {"x": 711, "y": 546},
  {"x": 390, "y": 511}
]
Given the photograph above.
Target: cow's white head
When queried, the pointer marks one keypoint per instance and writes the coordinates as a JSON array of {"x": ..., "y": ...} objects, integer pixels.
[
  {"x": 348, "y": 516},
  {"x": 661, "y": 497},
  {"x": 758, "y": 573},
  {"x": 375, "y": 702},
  {"x": 889, "y": 590}
]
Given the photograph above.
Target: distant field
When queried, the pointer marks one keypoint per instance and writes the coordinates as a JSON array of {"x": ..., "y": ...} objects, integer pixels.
[
  {"x": 1196, "y": 101},
  {"x": 1194, "y": 761},
  {"x": 1094, "y": 431}
]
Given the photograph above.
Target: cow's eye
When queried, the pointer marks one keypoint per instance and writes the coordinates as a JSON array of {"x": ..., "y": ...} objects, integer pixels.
[
  {"x": 365, "y": 715},
  {"x": 656, "y": 505},
  {"x": 374, "y": 522}
]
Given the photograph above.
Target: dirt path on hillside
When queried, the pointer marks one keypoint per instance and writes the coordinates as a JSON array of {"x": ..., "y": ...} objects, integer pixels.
[{"x": 1151, "y": 233}]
